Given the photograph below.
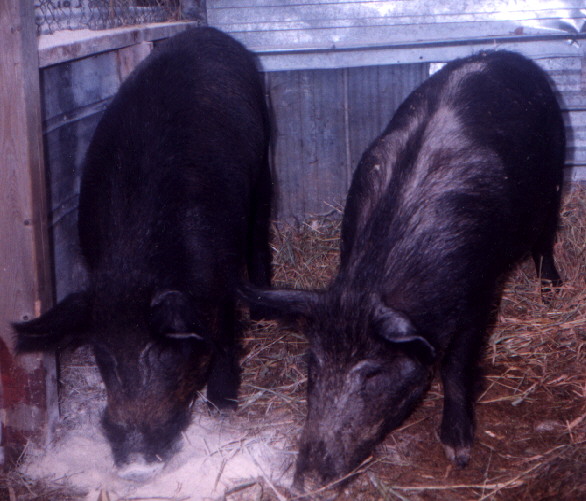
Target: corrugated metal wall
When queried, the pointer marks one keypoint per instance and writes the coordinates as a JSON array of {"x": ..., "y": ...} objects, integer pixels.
[
  {"x": 569, "y": 77},
  {"x": 310, "y": 27},
  {"x": 325, "y": 119},
  {"x": 336, "y": 71},
  {"x": 363, "y": 41}
]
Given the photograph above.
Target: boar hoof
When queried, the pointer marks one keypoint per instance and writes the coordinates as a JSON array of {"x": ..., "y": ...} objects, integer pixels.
[
  {"x": 222, "y": 404},
  {"x": 260, "y": 313},
  {"x": 225, "y": 406},
  {"x": 549, "y": 290},
  {"x": 222, "y": 390},
  {"x": 298, "y": 486},
  {"x": 459, "y": 455}
]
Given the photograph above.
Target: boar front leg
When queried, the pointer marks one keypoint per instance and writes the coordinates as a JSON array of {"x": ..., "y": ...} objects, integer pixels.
[
  {"x": 224, "y": 379},
  {"x": 258, "y": 253},
  {"x": 459, "y": 377}
]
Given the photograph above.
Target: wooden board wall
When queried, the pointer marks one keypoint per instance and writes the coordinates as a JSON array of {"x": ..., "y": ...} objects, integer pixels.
[
  {"x": 57, "y": 107},
  {"x": 324, "y": 120},
  {"x": 74, "y": 96},
  {"x": 38, "y": 191},
  {"x": 320, "y": 34},
  {"x": 27, "y": 385}
]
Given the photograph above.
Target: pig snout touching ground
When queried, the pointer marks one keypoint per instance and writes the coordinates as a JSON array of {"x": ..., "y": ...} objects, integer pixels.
[
  {"x": 463, "y": 183},
  {"x": 139, "y": 470},
  {"x": 174, "y": 211}
]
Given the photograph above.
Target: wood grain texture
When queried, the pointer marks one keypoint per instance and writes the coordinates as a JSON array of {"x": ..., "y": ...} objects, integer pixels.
[
  {"x": 28, "y": 382},
  {"x": 325, "y": 119}
]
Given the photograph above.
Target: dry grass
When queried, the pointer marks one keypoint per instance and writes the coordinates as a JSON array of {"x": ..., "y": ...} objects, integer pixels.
[{"x": 531, "y": 418}]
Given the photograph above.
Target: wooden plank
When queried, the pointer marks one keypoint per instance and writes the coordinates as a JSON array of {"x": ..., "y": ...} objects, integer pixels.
[
  {"x": 324, "y": 120},
  {"x": 68, "y": 45},
  {"x": 573, "y": 100},
  {"x": 28, "y": 393},
  {"x": 416, "y": 53},
  {"x": 310, "y": 156},
  {"x": 566, "y": 81},
  {"x": 386, "y": 14},
  {"x": 288, "y": 151},
  {"x": 66, "y": 147},
  {"x": 68, "y": 88},
  {"x": 328, "y": 174},
  {"x": 576, "y": 119},
  {"x": 261, "y": 38},
  {"x": 374, "y": 93},
  {"x": 130, "y": 57},
  {"x": 413, "y": 5}
]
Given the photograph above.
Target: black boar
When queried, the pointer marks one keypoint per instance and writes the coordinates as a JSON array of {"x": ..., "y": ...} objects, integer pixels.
[
  {"x": 174, "y": 203},
  {"x": 464, "y": 182}
]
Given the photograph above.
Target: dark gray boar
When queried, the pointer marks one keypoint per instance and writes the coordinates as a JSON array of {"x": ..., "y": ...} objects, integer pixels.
[
  {"x": 174, "y": 202},
  {"x": 463, "y": 183}
]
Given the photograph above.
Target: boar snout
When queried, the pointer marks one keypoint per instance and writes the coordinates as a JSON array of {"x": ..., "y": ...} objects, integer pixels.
[
  {"x": 324, "y": 462},
  {"x": 138, "y": 470}
]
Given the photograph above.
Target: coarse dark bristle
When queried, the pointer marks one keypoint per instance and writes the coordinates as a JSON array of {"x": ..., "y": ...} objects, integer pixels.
[{"x": 531, "y": 418}]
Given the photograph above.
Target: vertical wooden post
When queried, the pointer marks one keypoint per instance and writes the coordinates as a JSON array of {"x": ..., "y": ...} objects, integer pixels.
[{"x": 28, "y": 402}]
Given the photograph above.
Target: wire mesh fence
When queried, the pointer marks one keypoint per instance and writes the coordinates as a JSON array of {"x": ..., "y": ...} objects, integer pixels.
[{"x": 56, "y": 15}]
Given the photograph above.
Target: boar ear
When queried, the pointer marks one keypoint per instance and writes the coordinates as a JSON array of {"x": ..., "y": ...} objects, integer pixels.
[
  {"x": 281, "y": 303},
  {"x": 172, "y": 315},
  {"x": 64, "y": 324},
  {"x": 395, "y": 327}
]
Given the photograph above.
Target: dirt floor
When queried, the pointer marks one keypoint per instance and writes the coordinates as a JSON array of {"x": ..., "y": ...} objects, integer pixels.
[{"x": 531, "y": 412}]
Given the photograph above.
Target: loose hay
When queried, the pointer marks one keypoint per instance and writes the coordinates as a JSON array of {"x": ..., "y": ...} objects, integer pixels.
[{"x": 531, "y": 418}]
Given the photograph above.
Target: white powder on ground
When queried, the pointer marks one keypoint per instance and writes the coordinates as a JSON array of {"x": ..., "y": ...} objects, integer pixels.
[{"x": 218, "y": 454}]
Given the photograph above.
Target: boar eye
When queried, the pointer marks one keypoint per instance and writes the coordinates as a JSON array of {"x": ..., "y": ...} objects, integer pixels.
[
  {"x": 366, "y": 369},
  {"x": 372, "y": 372},
  {"x": 371, "y": 378},
  {"x": 375, "y": 383}
]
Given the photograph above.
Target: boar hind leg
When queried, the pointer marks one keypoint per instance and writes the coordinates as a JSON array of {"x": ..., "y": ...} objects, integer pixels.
[
  {"x": 224, "y": 378},
  {"x": 459, "y": 377},
  {"x": 546, "y": 269},
  {"x": 542, "y": 254},
  {"x": 258, "y": 256},
  {"x": 548, "y": 274}
]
